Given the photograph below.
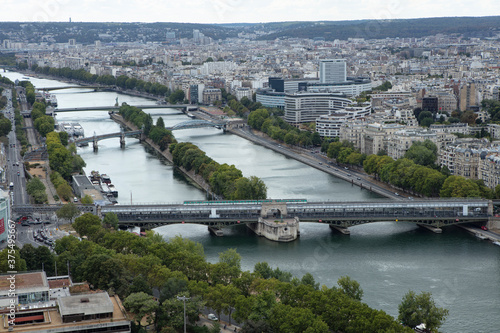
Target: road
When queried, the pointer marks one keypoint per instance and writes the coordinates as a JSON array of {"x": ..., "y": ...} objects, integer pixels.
[{"x": 15, "y": 167}]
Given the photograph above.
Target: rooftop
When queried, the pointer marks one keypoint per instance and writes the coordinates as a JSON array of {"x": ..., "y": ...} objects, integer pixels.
[{"x": 24, "y": 281}]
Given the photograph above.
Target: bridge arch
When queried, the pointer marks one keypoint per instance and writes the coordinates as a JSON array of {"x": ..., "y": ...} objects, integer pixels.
[{"x": 196, "y": 123}]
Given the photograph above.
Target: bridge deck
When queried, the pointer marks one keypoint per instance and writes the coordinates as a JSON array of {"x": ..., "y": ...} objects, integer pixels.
[{"x": 430, "y": 212}]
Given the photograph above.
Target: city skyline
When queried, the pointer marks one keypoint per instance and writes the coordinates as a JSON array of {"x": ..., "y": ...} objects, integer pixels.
[{"x": 237, "y": 11}]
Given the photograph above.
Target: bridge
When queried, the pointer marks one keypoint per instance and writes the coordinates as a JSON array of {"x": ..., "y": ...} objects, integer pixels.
[
  {"x": 94, "y": 139},
  {"x": 430, "y": 213},
  {"x": 75, "y": 87},
  {"x": 185, "y": 107},
  {"x": 197, "y": 124}
]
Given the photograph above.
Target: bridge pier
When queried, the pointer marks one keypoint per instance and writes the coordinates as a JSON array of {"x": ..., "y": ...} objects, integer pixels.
[
  {"x": 215, "y": 231},
  {"x": 431, "y": 228},
  {"x": 94, "y": 145},
  {"x": 342, "y": 230},
  {"x": 122, "y": 141}
]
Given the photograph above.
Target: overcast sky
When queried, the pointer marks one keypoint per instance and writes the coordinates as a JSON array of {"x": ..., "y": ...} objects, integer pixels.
[{"x": 230, "y": 11}]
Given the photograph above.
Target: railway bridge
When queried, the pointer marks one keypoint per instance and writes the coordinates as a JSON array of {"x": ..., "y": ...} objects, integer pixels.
[{"x": 279, "y": 219}]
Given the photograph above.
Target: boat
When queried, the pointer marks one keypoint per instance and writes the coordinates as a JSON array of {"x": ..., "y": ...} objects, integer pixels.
[
  {"x": 105, "y": 179},
  {"x": 113, "y": 190},
  {"x": 478, "y": 235},
  {"x": 95, "y": 176},
  {"x": 497, "y": 243}
]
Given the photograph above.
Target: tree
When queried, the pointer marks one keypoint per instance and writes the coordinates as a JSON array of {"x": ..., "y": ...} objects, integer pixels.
[
  {"x": 350, "y": 287},
  {"x": 141, "y": 305},
  {"x": 7, "y": 258},
  {"x": 68, "y": 212},
  {"x": 422, "y": 152},
  {"x": 459, "y": 187},
  {"x": 110, "y": 220},
  {"x": 417, "y": 309},
  {"x": 87, "y": 225},
  {"x": 87, "y": 200}
]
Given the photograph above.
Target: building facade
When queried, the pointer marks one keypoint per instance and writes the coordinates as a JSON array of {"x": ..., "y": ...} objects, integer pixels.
[
  {"x": 332, "y": 70},
  {"x": 305, "y": 107}
]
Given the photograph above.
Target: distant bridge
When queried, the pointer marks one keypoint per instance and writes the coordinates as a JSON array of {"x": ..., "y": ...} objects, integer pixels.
[
  {"x": 94, "y": 139},
  {"x": 186, "y": 107},
  {"x": 197, "y": 124},
  {"x": 75, "y": 87}
]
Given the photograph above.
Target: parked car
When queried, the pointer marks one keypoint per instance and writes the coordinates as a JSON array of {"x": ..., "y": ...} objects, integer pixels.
[{"x": 211, "y": 316}]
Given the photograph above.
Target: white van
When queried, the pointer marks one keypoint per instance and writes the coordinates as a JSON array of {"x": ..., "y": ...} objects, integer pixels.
[{"x": 211, "y": 316}]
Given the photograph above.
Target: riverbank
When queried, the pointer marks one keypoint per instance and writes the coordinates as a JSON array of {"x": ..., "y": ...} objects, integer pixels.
[{"x": 104, "y": 87}]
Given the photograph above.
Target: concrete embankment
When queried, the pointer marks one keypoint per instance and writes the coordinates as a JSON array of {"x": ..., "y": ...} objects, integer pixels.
[
  {"x": 482, "y": 234},
  {"x": 197, "y": 179}
]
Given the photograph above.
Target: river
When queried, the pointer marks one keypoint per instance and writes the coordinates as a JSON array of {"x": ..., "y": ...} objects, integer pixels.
[{"x": 387, "y": 259}]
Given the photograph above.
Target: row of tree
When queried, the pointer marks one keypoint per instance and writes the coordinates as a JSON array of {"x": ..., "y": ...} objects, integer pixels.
[
  {"x": 265, "y": 300},
  {"x": 43, "y": 123},
  {"x": 280, "y": 130},
  {"x": 225, "y": 180},
  {"x": 63, "y": 160},
  {"x": 121, "y": 81},
  {"x": 241, "y": 108},
  {"x": 29, "y": 90},
  {"x": 157, "y": 133},
  {"x": 409, "y": 176}
]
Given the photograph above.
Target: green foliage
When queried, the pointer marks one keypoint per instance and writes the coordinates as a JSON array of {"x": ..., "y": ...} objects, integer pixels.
[
  {"x": 405, "y": 174},
  {"x": 8, "y": 255},
  {"x": 65, "y": 191},
  {"x": 425, "y": 118},
  {"x": 422, "y": 153},
  {"x": 61, "y": 160},
  {"x": 36, "y": 189},
  {"x": 417, "y": 309},
  {"x": 141, "y": 305},
  {"x": 459, "y": 187},
  {"x": 493, "y": 108},
  {"x": 384, "y": 86},
  {"x": 5, "y": 125},
  {"x": 68, "y": 212},
  {"x": 176, "y": 96},
  {"x": 111, "y": 220},
  {"x": 87, "y": 225},
  {"x": 350, "y": 287},
  {"x": 38, "y": 258},
  {"x": 224, "y": 180},
  {"x": 87, "y": 200}
]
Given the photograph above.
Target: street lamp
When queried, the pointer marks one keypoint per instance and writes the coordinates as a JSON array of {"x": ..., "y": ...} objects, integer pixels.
[{"x": 184, "y": 299}]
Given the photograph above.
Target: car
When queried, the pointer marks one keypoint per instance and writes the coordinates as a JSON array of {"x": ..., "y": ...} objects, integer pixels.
[
  {"x": 483, "y": 227},
  {"x": 396, "y": 193},
  {"x": 410, "y": 198},
  {"x": 211, "y": 316},
  {"x": 320, "y": 163},
  {"x": 75, "y": 199},
  {"x": 358, "y": 178},
  {"x": 18, "y": 173}
]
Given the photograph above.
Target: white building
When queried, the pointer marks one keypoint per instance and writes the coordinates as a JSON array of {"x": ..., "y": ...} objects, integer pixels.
[
  {"x": 243, "y": 92},
  {"x": 329, "y": 125},
  {"x": 332, "y": 71},
  {"x": 305, "y": 107}
]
